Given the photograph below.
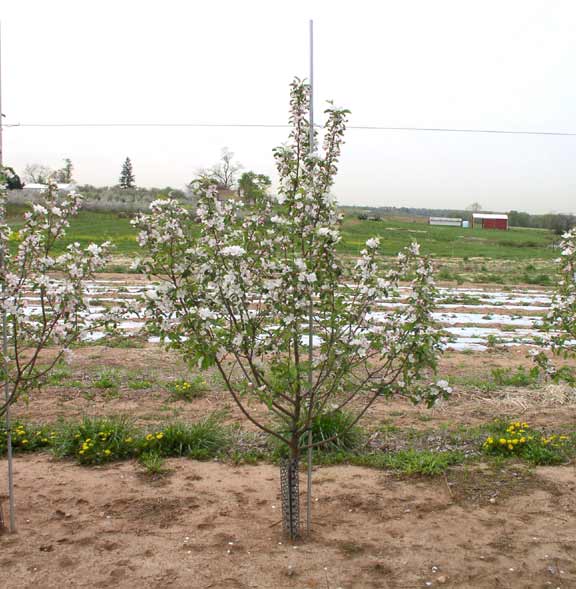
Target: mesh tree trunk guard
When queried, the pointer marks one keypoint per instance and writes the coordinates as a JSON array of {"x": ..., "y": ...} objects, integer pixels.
[{"x": 290, "y": 488}]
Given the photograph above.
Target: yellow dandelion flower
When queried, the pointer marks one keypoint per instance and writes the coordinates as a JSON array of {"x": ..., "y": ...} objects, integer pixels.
[{"x": 107, "y": 452}]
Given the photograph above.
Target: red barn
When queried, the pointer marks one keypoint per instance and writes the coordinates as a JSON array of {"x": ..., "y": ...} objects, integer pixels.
[{"x": 490, "y": 221}]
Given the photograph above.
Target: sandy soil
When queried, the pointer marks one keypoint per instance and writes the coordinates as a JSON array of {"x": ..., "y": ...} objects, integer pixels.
[
  {"x": 215, "y": 526},
  {"x": 468, "y": 405}
]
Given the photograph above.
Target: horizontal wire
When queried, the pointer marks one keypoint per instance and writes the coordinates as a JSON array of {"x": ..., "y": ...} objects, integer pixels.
[{"x": 283, "y": 126}]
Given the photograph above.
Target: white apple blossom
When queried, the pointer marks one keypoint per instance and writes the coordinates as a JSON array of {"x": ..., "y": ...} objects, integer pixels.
[
  {"x": 559, "y": 326},
  {"x": 233, "y": 251},
  {"x": 27, "y": 273}
]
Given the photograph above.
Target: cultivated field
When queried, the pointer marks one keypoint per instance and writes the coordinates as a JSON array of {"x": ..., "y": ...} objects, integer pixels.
[{"x": 412, "y": 498}]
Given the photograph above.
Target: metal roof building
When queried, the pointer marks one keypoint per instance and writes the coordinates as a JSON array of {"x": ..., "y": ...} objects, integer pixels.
[{"x": 490, "y": 221}]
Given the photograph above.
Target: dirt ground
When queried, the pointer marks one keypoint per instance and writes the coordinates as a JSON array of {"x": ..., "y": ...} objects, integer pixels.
[
  {"x": 468, "y": 405},
  {"x": 211, "y": 526}
]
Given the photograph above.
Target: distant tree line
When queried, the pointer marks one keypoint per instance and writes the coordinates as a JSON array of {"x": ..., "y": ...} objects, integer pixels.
[{"x": 557, "y": 222}]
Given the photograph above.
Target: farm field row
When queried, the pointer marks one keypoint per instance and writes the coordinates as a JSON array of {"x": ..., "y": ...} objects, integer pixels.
[{"x": 473, "y": 318}]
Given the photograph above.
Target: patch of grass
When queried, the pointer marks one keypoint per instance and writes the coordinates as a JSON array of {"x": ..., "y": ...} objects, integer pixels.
[
  {"x": 107, "y": 378},
  {"x": 488, "y": 278},
  {"x": 202, "y": 440},
  {"x": 59, "y": 374},
  {"x": 187, "y": 390},
  {"x": 520, "y": 377},
  {"x": 446, "y": 274},
  {"x": 250, "y": 456},
  {"x": 140, "y": 384},
  {"x": 412, "y": 462},
  {"x": 540, "y": 279},
  {"x": 332, "y": 431},
  {"x": 122, "y": 341},
  {"x": 409, "y": 462},
  {"x": 480, "y": 382},
  {"x": 153, "y": 463},
  {"x": 96, "y": 440}
]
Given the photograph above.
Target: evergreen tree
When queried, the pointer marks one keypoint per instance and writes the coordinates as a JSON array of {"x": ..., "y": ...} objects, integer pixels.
[{"x": 127, "y": 179}]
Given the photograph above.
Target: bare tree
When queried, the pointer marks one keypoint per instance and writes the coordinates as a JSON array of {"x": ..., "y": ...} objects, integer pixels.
[
  {"x": 37, "y": 173},
  {"x": 225, "y": 172},
  {"x": 475, "y": 207}
]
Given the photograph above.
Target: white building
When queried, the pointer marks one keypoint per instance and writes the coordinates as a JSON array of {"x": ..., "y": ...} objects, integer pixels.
[
  {"x": 445, "y": 221},
  {"x": 37, "y": 188}
]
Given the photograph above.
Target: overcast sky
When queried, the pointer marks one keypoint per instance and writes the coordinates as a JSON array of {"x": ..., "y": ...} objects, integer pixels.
[{"x": 463, "y": 64}]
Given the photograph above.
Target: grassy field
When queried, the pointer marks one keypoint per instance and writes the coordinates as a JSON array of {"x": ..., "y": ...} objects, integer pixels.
[
  {"x": 450, "y": 242},
  {"x": 442, "y": 242}
]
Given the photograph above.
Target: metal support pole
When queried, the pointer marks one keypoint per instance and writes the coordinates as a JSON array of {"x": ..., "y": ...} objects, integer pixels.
[
  {"x": 311, "y": 309},
  {"x": 12, "y": 516}
]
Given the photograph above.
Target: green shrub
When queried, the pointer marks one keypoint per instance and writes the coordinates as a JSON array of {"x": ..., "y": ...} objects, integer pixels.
[{"x": 96, "y": 440}]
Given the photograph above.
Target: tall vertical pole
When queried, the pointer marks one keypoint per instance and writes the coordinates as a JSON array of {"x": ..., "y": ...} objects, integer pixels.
[
  {"x": 12, "y": 516},
  {"x": 311, "y": 309}
]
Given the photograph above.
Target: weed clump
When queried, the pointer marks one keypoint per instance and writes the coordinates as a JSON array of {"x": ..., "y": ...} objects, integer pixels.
[
  {"x": 188, "y": 390},
  {"x": 26, "y": 438},
  {"x": 202, "y": 440},
  {"x": 519, "y": 439},
  {"x": 96, "y": 440}
]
